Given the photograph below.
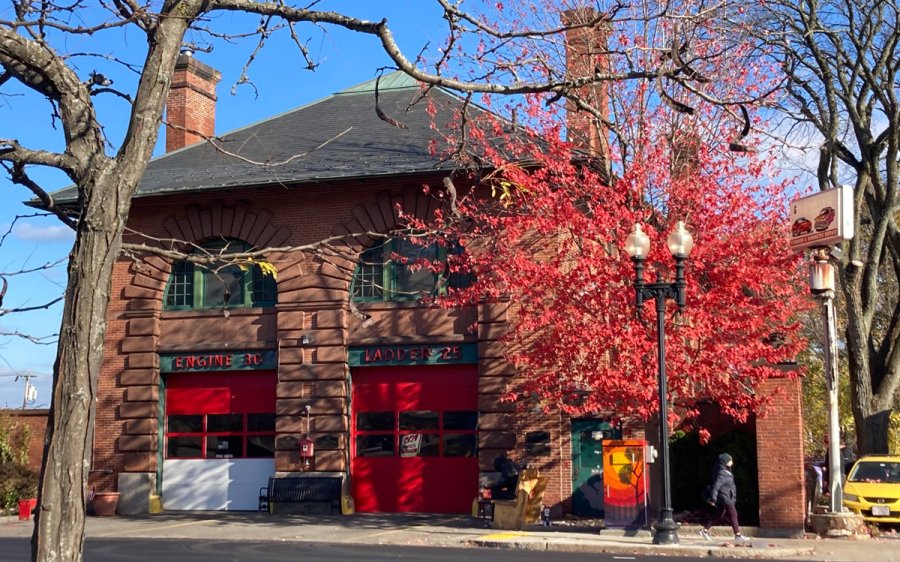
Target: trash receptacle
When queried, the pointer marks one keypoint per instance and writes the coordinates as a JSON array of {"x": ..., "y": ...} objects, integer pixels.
[{"x": 25, "y": 508}]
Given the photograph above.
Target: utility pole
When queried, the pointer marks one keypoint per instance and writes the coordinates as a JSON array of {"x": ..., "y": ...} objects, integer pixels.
[
  {"x": 821, "y": 222},
  {"x": 30, "y": 391},
  {"x": 821, "y": 277}
]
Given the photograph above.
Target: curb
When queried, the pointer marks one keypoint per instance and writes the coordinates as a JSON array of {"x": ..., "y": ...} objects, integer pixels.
[{"x": 557, "y": 545}]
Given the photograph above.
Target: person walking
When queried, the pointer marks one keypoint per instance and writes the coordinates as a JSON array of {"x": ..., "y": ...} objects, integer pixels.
[{"x": 722, "y": 494}]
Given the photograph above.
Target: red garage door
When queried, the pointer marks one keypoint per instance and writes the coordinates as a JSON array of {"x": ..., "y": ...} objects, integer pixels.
[
  {"x": 414, "y": 438},
  {"x": 228, "y": 414},
  {"x": 220, "y": 439}
]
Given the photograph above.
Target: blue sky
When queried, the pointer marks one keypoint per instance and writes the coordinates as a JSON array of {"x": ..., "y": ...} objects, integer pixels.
[{"x": 282, "y": 83}]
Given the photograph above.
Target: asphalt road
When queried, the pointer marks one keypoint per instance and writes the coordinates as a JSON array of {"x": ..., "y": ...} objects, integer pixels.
[{"x": 127, "y": 550}]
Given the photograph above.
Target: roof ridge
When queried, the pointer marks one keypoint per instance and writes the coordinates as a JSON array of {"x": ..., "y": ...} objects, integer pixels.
[{"x": 396, "y": 80}]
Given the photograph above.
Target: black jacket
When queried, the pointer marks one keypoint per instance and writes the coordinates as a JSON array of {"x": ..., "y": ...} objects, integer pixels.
[{"x": 723, "y": 489}]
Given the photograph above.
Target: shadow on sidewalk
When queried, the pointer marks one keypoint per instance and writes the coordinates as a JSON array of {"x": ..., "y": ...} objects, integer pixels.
[
  {"x": 356, "y": 521},
  {"x": 372, "y": 521}
]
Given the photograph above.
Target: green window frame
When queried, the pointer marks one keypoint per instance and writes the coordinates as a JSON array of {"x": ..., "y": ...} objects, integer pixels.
[
  {"x": 378, "y": 278},
  {"x": 198, "y": 287},
  {"x": 180, "y": 292}
]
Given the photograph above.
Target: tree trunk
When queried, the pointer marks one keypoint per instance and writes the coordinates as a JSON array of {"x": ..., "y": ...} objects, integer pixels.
[
  {"x": 872, "y": 431},
  {"x": 59, "y": 524},
  {"x": 871, "y": 409},
  {"x": 106, "y": 187}
]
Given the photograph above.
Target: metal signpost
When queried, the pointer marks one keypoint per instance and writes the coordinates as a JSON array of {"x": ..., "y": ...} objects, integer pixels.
[{"x": 818, "y": 222}]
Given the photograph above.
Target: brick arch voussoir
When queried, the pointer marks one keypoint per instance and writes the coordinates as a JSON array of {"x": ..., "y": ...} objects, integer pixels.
[
  {"x": 381, "y": 216},
  {"x": 200, "y": 224}
]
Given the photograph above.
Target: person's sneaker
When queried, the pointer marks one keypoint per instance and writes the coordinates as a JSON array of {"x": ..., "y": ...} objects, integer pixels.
[
  {"x": 741, "y": 538},
  {"x": 705, "y": 534}
]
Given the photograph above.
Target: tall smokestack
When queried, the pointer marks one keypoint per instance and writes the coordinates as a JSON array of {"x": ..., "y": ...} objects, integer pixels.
[
  {"x": 191, "y": 105},
  {"x": 587, "y": 53}
]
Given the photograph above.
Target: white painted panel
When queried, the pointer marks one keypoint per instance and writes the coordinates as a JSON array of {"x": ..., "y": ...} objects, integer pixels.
[
  {"x": 247, "y": 477},
  {"x": 195, "y": 484},
  {"x": 214, "y": 484}
]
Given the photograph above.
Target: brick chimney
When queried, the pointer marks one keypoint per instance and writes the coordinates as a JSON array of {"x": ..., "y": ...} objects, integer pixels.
[
  {"x": 191, "y": 105},
  {"x": 684, "y": 145},
  {"x": 587, "y": 54}
]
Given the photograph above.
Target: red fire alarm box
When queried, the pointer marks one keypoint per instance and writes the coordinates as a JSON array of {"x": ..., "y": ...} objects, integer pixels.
[{"x": 307, "y": 448}]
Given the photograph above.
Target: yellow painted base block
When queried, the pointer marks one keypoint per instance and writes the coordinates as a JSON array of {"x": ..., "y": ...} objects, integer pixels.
[{"x": 347, "y": 505}]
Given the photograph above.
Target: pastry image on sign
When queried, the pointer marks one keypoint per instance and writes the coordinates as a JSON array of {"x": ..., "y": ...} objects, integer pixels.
[
  {"x": 800, "y": 227},
  {"x": 824, "y": 219}
]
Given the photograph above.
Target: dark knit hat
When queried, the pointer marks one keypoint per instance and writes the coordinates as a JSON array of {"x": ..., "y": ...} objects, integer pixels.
[{"x": 724, "y": 458}]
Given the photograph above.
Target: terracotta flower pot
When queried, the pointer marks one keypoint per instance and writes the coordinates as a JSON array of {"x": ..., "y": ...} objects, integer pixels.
[{"x": 105, "y": 503}]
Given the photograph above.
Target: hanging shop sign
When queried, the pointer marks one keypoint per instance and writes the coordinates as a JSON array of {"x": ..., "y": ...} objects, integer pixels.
[
  {"x": 217, "y": 361},
  {"x": 422, "y": 354},
  {"x": 822, "y": 219}
]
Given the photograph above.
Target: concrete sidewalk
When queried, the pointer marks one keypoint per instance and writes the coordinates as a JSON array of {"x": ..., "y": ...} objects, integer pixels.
[{"x": 464, "y": 531}]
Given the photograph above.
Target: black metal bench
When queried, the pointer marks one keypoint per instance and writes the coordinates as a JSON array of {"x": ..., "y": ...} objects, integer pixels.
[{"x": 301, "y": 494}]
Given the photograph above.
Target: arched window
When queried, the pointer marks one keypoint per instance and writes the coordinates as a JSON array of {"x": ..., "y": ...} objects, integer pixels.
[
  {"x": 392, "y": 271},
  {"x": 220, "y": 284}
]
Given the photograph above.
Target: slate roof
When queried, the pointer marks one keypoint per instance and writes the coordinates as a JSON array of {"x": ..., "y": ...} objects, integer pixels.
[{"x": 336, "y": 138}]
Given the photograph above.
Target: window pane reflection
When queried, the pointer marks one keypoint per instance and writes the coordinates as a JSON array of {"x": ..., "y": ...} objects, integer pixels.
[
  {"x": 418, "y": 419},
  {"x": 260, "y": 422},
  {"x": 222, "y": 423},
  {"x": 461, "y": 420},
  {"x": 185, "y": 424},
  {"x": 375, "y": 421},
  {"x": 375, "y": 446},
  {"x": 459, "y": 445},
  {"x": 224, "y": 447},
  {"x": 182, "y": 447},
  {"x": 261, "y": 446}
]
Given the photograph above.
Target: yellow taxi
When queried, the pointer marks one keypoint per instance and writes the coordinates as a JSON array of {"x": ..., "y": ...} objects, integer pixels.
[{"x": 873, "y": 489}]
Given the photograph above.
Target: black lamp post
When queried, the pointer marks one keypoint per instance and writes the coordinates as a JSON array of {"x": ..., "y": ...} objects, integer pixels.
[{"x": 680, "y": 243}]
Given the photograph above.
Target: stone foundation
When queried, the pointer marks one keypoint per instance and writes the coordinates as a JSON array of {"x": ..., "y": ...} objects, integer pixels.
[{"x": 845, "y": 524}]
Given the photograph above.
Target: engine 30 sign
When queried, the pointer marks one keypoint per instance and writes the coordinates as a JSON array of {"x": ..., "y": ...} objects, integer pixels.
[{"x": 217, "y": 361}]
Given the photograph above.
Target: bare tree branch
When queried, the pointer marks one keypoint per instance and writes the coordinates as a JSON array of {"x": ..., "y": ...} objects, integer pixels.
[
  {"x": 45, "y": 306},
  {"x": 49, "y": 339},
  {"x": 18, "y": 175}
]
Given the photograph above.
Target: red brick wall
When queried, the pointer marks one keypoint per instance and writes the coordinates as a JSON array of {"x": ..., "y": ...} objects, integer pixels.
[
  {"x": 779, "y": 443},
  {"x": 313, "y": 302},
  {"x": 36, "y": 421}
]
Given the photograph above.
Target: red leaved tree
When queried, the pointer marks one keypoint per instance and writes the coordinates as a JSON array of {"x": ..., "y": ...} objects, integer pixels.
[{"x": 546, "y": 230}]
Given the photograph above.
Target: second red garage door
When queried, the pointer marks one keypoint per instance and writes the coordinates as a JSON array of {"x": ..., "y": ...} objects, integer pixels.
[{"x": 414, "y": 438}]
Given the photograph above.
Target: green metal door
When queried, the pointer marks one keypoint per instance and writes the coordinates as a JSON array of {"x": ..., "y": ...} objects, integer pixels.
[{"x": 587, "y": 465}]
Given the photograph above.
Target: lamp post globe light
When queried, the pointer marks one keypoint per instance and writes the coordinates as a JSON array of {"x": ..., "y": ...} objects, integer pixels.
[{"x": 680, "y": 242}]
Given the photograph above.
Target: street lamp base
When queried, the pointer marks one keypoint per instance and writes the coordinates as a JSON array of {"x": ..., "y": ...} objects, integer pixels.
[{"x": 666, "y": 530}]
